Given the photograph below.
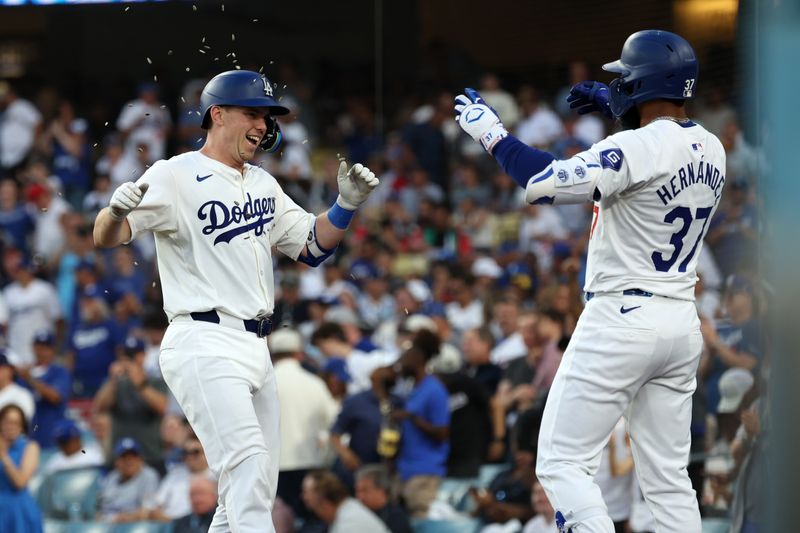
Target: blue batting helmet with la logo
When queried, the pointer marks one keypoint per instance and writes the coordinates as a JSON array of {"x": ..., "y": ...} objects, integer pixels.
[{"x": 243, "y": 88}]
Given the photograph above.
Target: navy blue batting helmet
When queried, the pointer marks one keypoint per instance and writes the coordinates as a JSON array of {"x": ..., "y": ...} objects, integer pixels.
[
  {"x": 654, "y": 64},
  {"x": 243, "y": 88}
]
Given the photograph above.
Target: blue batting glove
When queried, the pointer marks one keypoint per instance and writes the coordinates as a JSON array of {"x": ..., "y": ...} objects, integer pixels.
[
  {"x": 589, "y": 96},
  {"x": 478, "y": 119}
]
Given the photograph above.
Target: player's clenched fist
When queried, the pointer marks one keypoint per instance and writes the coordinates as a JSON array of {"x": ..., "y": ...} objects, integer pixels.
[
  {"x": 478, "y": 119},
  {"x": 125, "y": 199},
  {"x": 354, "y": 185}
]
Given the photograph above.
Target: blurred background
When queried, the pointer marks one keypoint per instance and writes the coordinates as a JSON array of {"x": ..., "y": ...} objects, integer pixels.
[{"x": 446, "y": 256}]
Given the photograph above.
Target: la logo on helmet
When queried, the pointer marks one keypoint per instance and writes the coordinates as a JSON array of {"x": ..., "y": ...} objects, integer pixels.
[{"x": 267, "y": 86}]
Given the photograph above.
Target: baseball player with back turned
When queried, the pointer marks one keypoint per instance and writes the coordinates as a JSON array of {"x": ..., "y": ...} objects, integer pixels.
[
  {"x": 215, "y": 219},
  {"x": 635, "y": 350}
]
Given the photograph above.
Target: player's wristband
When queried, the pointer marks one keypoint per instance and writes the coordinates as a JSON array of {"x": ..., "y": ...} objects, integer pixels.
[{"x": 339, "y": 216}]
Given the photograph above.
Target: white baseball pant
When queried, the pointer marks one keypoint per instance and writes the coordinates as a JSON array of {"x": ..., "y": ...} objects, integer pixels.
[
  {"x": 224, "y": 381},
  {"x": 634, "y": 356}
]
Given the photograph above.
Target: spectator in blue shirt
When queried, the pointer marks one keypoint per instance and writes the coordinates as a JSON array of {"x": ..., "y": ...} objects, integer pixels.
[
  {"x": 425, "y": 429},
  {"x": 16, "y": 223},
  {"x": 92, "y": 344},
  {"x": 51, "y": 385}
]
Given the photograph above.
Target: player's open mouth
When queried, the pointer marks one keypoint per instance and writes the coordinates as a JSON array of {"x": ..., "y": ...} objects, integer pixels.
[{"x": 253, "y": 139}]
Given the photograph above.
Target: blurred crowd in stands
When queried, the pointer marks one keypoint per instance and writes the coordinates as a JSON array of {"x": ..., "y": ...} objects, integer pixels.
[{"x": 412, "y": 367}]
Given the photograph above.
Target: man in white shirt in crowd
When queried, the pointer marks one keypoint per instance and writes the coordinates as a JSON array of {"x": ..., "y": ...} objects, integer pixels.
[
  {"x": 145, "y": 121},
  {"x": 72, "y": 451},
  {"x": 49, "y": 209},
  {"x": 19, "y": 123},
  {"x": 307, "y": 412},
  {"x": 328, "y": 498},
  {"x": 31, "y": 305},
  {"x": 171, "y": 500},
  {"x": 11, "y": 393}
]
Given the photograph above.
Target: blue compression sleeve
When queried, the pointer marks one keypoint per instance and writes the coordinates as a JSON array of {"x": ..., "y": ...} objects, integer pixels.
[{"x": 519, "y": 160}]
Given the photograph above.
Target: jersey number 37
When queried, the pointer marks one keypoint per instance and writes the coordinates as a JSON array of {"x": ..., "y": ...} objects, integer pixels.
[{"x": 683, "y": 215}]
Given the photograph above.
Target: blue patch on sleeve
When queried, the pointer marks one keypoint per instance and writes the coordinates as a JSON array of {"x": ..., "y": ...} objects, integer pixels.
[{"x": 611, "y": 159}]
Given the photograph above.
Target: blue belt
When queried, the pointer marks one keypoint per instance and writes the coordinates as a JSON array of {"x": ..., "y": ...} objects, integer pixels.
[
  {"x": 261, "y": 327},
  {"x": 626, "y": 292}
]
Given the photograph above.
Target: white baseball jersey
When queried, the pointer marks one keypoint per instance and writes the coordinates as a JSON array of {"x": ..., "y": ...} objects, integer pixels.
[
  {"x": 214, "y": 229},
  {"x": 660, "y": 186}
]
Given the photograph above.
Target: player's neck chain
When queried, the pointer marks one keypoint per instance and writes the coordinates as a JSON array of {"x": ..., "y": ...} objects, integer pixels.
[{"x": 673, "y": 119}]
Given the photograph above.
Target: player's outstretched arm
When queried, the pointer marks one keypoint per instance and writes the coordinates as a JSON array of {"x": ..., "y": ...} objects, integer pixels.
[
  {"x": 111, "y": 227},
  {"x": 355, "y": 186},
  {"x": 482, "y": 123}
]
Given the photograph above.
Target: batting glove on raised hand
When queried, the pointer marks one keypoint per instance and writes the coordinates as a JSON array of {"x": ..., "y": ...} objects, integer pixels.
[
  {"x": 589, "y": 96},
  {"x": 355, "y": 185},
  {"x": 125, "y": 199},
  {"x": 479, "y": 120}
]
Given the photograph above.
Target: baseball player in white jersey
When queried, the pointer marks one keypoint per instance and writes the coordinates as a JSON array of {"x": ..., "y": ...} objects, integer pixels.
[
  {"x": 215, "y": 219},
  {"x": 635, "y": 350}
]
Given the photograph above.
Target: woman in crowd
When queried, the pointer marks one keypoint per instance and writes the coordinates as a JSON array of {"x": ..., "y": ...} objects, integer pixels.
[{"x": 19, "y": 459}]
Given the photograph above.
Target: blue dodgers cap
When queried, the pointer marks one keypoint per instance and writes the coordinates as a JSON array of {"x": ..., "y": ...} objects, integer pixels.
[
  {"x": 338, "y": 367},
  {"x": 127, "y": 445},
  {"x": 65, "y": 430},
  {"x": 4, "y": 359},
  {"x": 133, "y": 345},
  {"x": 44, "y": 336}
]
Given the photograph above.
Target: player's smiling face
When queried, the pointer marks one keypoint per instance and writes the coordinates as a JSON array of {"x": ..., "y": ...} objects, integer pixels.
[{"x": 244, "y": 129}]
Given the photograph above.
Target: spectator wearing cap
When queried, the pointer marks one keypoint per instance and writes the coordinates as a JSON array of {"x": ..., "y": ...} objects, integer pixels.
[
  {"x": 135, "y": 402},
  {"x": 372, "y": 489},
  {"x": 734, "y": 342},
  {"x": 51, "y": 385},
  {"x": 171, "y": 500},
  {"x": 11, "y": 392},
  {"x": 19, "y": 459},
  {"x": 21, "y": 122},
  {"x": 125, "y": 278},
  {"x": 332, "y": 341},
  {"x": 91, "y": 344},
  {"x": 16, "y": 222},
  {"x": 203, "y": 498},
  {"x": 127, "y": 486},
  {"x": 65, "y": 142},
  {"x": 49, "y": 209},
  {"x": 307, "y": 411},
  {"x": 734, "y": 384},
  {"x": 328, "y": 498},
  {"x": 76, "y": 268},
  {"x": 72, "y": 451},
  {"x": 425, "y": 428},
  {"x": 336, "y": 377},
  {"x": 32, "y": 306}
]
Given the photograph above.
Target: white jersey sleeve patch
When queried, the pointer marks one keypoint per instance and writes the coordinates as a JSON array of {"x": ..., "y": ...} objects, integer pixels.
[
  {"x": 158, "y": 210},
  {"x": 624, "y": 161}
]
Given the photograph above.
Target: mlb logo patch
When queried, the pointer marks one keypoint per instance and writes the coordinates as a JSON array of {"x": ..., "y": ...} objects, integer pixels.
[{"x": 697, "y": 147}]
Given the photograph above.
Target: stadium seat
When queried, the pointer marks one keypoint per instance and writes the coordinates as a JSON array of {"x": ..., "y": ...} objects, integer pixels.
[
  {"x": 454, "y": 491},
  {"x": 88, "y": 527},
  {"x": 71, "y": 493},
  {"x": 144, "y": 527},
  {"x": 445, "y": 526},
  {"x": 54, "y": 526},
  {"x": 489, "y": 472},
  {"x": 716, "y": 525}
]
